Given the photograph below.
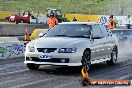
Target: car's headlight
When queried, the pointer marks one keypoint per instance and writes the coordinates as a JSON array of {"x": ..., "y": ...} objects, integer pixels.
[
  {"x": 31, "y": 49},
  {"x": 67, "y": 50}
]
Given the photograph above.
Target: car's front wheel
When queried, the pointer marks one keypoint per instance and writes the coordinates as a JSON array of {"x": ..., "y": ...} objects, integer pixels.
[
  {"x": 33, "y": 66},
  {"x": 114, "y": 55},
  {"x": 86, "y": 60}
]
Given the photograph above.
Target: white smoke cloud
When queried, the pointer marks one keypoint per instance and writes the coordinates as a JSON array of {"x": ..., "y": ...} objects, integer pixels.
[{"x": 125, "y": 48}]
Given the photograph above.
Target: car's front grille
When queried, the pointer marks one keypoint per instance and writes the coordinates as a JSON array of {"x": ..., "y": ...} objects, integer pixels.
[
  {"x": 54, "y": 60},
  {"x": 46, "y": 50}
]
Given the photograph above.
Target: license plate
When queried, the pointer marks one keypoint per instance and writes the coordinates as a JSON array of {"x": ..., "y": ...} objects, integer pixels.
[{"x": 45, "y": 57}]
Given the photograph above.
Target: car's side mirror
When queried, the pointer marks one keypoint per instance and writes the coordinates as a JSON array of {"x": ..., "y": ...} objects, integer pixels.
[{"x": 41, "y": 35}]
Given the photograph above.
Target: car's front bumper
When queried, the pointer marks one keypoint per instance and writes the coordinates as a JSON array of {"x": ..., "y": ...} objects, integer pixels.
[{"x": 71, "y": 59}]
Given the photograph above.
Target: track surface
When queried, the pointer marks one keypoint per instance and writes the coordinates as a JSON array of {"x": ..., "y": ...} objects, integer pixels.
[{"x": 14, "y": 74}]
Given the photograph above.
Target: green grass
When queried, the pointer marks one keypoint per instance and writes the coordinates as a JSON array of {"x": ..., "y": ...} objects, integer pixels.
[{"x": 67, "y": 6}]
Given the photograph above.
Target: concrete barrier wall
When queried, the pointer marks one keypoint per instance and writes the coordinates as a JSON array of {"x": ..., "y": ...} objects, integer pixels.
[
  {"x": 19, "y": 29},
  {"x": 12, "y": 49},
  {"x": 8, "y": 39}
]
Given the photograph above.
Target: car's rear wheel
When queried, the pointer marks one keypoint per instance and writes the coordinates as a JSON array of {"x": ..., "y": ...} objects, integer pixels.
[
  {"x": 33, "y": 66},
  {"x": 114, "y": 55},
  {"x": 86, "y": 60}
]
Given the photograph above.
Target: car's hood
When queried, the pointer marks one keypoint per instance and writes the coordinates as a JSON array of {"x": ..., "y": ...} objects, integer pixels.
[{"x": 56, "y": 42}]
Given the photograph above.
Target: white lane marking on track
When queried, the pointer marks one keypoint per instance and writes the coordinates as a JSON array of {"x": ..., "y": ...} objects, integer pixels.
[
  {"x": 7, "y": 73},
  {"x": 64, "y": 85},
  {"x": 27, "y": 84},
  {"x": 10, "y": 65},
  {"x": 2, "y": 68},
  {"x": 123, "y": 77},
  {"x": 124, "y": 86},
  {"x": 16, "y": 79}
]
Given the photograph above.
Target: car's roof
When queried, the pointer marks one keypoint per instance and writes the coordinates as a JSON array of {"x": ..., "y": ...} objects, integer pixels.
[{"x": 88, "y": 23}]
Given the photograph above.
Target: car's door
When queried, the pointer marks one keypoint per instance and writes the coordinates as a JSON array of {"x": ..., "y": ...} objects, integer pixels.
[
  {"x": 107, "y": 41},
  {"x": 97, "y": 42}
]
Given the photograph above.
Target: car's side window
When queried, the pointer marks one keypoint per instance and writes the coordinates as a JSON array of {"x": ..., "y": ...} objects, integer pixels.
[
  {"x": 106, "y": 32},
  {"x": 96, "y": 31}
]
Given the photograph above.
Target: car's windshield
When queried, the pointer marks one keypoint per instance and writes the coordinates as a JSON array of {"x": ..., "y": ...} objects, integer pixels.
[{"x": 69, "y": 30}]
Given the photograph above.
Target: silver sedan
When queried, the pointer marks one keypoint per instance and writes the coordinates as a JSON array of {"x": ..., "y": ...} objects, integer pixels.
[{"x": 73, "y": 44}]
